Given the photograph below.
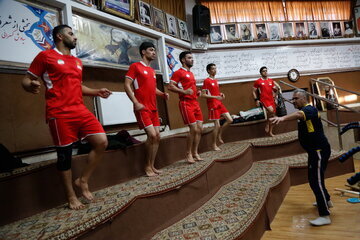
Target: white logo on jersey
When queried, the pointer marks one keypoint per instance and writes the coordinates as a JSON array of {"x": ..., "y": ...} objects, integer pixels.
[
  {"x": 213, "y": 84},
  {"x": 262, "y": 83},
  {"x": 79, "y": 67},
  {"x": 61, "y": 62},
  {"x": 145, "y": 72},
  {"x": 154, "y": 76},
  {"x": 187, "y": 75}
]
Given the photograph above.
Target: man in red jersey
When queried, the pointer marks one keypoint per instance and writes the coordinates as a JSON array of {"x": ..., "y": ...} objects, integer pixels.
[
  {"x": 216, "y": 108},
  {"x": 183, "y": 82},
  {"x": 140, "y": 86},
  {"x": 266, "y": 88},
  {"x": 68, "y": 118}
]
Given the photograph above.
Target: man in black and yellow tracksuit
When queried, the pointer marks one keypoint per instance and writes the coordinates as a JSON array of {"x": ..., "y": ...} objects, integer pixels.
[{"x": 313, "y": 140}]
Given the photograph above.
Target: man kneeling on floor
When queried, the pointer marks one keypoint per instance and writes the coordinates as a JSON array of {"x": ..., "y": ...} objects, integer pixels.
[{"x": 313, "y": 140}]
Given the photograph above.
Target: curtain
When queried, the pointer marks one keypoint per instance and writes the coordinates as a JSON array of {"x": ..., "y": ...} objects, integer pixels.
[
  {"x": 173, "y": 7},
  {"x": 260, "y": 11},
  {"x": 245, "y": 11},
  {"x": 318, "y": 10}
]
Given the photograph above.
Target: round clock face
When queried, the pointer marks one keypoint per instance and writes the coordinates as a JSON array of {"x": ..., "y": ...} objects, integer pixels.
[{"x": 293, "y": 75}]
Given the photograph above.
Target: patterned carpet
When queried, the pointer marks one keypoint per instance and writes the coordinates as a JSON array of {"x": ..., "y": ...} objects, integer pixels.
[
  {"x": 63, "y": 223},
  {"x": 300, "y": 160},
  {"x": 231, "y": 210}
]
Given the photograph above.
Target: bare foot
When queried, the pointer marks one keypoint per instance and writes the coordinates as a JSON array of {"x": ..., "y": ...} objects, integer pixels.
[
  {"x": 271, "y": 134},
  {"x": 75, "y": 204},
  {"x": 220, "y": 141},
  {"x": 150, "y": 173},
  {"x": 216, "y": 148},
  {"x": 157, "y": 171},
  {"x": 189, "y": 158},
  {"x": 84, "y": 187},
  {"x": 197, "y": 157}
]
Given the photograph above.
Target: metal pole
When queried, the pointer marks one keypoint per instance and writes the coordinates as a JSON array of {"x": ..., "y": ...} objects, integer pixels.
[
  {"x": 328, "y": 84},
  {"x": 338, "y": 128}
]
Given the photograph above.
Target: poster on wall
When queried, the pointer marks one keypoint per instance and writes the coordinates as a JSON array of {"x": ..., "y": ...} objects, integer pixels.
[
  {"x": 25, "y": 30},
  {"x": 172, "y": 57},
  {"x": 102, "y": 44},
  {"x": 357, "y": 19}
]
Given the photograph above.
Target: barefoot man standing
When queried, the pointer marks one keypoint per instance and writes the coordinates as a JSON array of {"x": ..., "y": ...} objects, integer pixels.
[
  {"x": 183, "y": 82},
  {"x": 68, "y": 118}
]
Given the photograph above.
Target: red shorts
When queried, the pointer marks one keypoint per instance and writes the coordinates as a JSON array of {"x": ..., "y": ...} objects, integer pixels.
[
  {"x": 66, "y": 131},
  {"x": 215, "y": 113},
  {"x": 147, "y": 118},
  {"x": 190, "y": 111},
  {"x": 270, "y": 104}
]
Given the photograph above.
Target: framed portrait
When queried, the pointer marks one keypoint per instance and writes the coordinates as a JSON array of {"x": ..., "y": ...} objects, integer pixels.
[
  {"x": 215, "y": 34},
  {"x": 158, "y": 17},
  {"x": 231, "y": 32},
  {"x": 145, "y": 13},
  {"x": 336, "y": 27},
  {"x": 288, "y": 30},
  {"x": 171, "y": 25},
  {"x": 261, "y": 31},
  {"x": 100, "y": 44},
  {"x": 246, "y": 33},
  {"x": 124, "y": 9},
  {"x": 183, "y": 30},
  {"x": 274, "y": 31},
  {"x": 357, "y": 19},
  {"x": 349, "y": 28},
  {"x": 300, "y": 30},
  {"x": 313, "y": 30},
  {"x": 325, "y": 29}
]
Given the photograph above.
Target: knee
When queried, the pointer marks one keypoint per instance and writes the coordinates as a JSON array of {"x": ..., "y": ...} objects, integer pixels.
[
  {"x": 64, "y": 155},
  {"x": 101, "y": 144},
  {"x": 154, "y": 138}
]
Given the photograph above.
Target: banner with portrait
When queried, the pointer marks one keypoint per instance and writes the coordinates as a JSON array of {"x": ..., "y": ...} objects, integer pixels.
[
  {"x": 100, "y": 44},
  {"x": 25, "y": 30}
]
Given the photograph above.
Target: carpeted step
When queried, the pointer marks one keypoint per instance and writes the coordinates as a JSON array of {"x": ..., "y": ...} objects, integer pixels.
[
  {"x": 63, "y": 223},
  {"x": 300, "y": 160},
  {"x": 232, "y": 210}
]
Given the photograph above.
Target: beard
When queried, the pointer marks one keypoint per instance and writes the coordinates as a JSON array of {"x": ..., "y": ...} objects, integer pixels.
[{"x": 69, "y": 44}]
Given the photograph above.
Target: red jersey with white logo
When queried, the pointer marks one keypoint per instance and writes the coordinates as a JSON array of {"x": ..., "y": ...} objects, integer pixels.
[
  {"x": 185, "y": 79},
  {"x": 144, "y": 82},
  {"x": 212, "y": 87},
  {"x": 266, "y": 91},
  {"x": 62, "y": 76}
]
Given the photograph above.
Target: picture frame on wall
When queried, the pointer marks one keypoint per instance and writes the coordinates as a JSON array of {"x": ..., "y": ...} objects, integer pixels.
[
  {"x": 215, "y": 34},
  {"x": 357, "y": 20},
  {"x": 313, "y": 30},
  {"x": 288, "y": 30},
  {"x": 261, "y": 31},
  {"x": 85, "y": 2},
  {"x": 325, "y": 29},
  {"x": 171, "y": 25},
  {"x": 124, "y": 9},
  {"x": 300, "y": 30},
  {"x": 183, "y": 30},
  {"x": 158, "y": 19},
  {"x": 145, "y": 13},
  {"x": 336, "y": 27},
  {"x": 348, "y": 28},
  {"x": 274, "y": 31},
  {"x": 231, "y": 31},
  {"x": 246, "y": 33}
]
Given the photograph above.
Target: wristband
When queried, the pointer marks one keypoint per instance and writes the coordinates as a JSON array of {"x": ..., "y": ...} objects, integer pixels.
[{"x": 256, "y": 99}]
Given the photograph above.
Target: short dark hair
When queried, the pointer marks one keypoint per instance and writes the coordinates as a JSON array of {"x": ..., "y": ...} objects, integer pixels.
[
  {"x": 58, "y": 29},
  {"x": 208, "y": 67},
  {"x": 183, "y": 55},
  {"x": 144, "y": 46},
  {"x": 262, "y": 68}
]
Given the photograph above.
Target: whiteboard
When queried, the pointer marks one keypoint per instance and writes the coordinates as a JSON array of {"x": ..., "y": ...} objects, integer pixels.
[
  {"x": 245, "y": 63},
  {"x": 116, "y": 109}
]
